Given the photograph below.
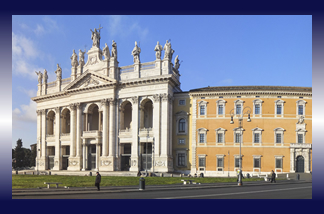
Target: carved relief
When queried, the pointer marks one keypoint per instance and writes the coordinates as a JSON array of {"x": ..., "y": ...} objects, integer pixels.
[
  {"x": 133, "y": 162},
  {"x": 72, "y": 106},
  {"x": 74, "y": 163},
  {"x": 135, "y": 100},
  {"x": 38, "y": 112},
  {"x": 91, "y": 81},
  {"x": 104, "y": 101},
  {"x": 156, "y": 97},
  {"x": 159, "y": 163},
  {"x": 300, "y": 120},
  {"x": 56, "y": 163},
  {"x": 41, "y": 163},
  {"x": 105, "y": 163}
]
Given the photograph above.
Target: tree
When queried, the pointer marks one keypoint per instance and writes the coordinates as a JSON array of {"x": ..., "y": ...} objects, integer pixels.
[
  {"x": 19, "y": 154},
  {"x": 32, "y": 158}
]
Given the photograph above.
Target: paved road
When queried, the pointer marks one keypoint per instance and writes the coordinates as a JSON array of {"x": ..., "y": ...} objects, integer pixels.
[{"x": 292, "y": 190}]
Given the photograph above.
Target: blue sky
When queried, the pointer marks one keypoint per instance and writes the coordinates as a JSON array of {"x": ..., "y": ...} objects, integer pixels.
[{"x": 215, "y": 51}]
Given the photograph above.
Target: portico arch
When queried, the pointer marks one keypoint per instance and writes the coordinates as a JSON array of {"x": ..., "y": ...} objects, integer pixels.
[
  {"x": 66, "y": 121},
  {"x": 146, "y": 113},
  {"x": 300, "y": 164},
  {"x": 93, "y": 117},
  {"x": 126, "y": 115},
  {"x": 50, "y": 123}
]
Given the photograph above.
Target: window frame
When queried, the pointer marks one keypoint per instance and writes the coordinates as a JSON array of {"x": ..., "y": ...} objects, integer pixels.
[
  {"x": 237, "y": 103},
  {"x": 202, "y": 131},
  {"x": 255, "y": 168},
  {"x": 278, "y": 157},
  {"x": 303, "y": 104},
  {"x": 218, "y": 104},
  {"x": 220, "y": 168},
  {"x": 238, "y": 131},
  {"x": 257, "y": 130},
  {"x": 301, "y": 131},
  {"x": 279, "y": 103},
  {"x": 281, "y": 132},
  {"x": 185, "y": 157},
  {"x": 222, "y": 132},
  {"x": 202, "y": 103},
  {"x": 257, "y": 102}
]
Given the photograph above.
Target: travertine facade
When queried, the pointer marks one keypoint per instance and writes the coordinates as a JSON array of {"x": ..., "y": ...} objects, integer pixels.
[{"x": 105, "y": 117}]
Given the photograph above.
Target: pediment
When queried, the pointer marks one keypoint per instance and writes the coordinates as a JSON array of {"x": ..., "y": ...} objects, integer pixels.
[{"x": 90, "y": 79}]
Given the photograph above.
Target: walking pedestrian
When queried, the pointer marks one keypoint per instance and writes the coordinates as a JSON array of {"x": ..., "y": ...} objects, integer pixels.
[
  {"x": 98, "y": 180},
  {"x": 273, "y": 177}
]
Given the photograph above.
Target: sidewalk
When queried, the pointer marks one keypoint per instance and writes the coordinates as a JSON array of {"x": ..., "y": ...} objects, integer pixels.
[{"x": 91, "y": 190}]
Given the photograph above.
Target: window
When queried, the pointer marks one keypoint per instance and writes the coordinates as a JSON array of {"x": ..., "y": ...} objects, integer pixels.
[
  {"x": 182, "y": 102},
  {"x": 237, "y": 137},
  {"x": 300, "y": 135},
  {"x": 300, "y": 109},
  {"x": 220, "y": 138},
  {"x": 181, "y": 141},
  {"x": 202, "y": 132},
  {"x": 220, "y": 109},
  {"x": 256, "y": 163},
  {"x": 182, "y": 125},
  {"x": 220, "y": 105},
  {"x": 257, "y": 109},
  {"x": 201, "y": 138},
  {"x": 279, "y": 109},
  {"x": 300, "y": 138},
  {"x": 181, "y": 159},
  {"x": 202, "y": 161},
  {"x": 238, "y": 109},
  {"x": 220, "y": 162},
  {"x": 202, "y": 110},
  {"x": 256, "y": 138},
  {"x": 278, "y": 163},
  {"x": 300, "y": 105},
  {"x": 220, "y": 134},
  {"x": 278, "y": 138},
  {"x": 237, "y": 162}
]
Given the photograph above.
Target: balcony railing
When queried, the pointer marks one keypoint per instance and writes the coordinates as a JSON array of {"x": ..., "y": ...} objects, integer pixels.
[
  {"x": 92, "y": 134},
  {"x": 301, "y": 145}
]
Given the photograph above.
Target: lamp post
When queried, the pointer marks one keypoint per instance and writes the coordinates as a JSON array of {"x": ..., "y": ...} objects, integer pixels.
[{"x": 240, "y": 119}]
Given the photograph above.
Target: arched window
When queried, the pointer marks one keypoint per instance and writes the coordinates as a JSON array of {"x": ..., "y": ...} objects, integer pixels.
[{"x": 182, "y": 125}]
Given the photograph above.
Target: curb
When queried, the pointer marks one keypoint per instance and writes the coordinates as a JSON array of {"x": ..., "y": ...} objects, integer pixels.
[{"x": 154, "y": 188}]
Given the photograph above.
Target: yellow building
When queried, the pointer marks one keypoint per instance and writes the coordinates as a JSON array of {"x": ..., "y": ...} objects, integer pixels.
[{"x": 275, "y": 132}]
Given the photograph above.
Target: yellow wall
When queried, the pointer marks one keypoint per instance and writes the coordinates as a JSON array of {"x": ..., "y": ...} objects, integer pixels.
[{"x": 268, "y": 122}]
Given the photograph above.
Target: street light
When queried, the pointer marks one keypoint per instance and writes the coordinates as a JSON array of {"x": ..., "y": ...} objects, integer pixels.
[{"x": 240, "y": 119}]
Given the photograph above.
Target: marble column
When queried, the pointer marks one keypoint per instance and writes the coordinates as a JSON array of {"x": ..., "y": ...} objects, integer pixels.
[
  {"x": 84, "y": 155},
  {"x": 78, "y": 129},
  {"x": 156, "y": 124},
  {"x": 43, "y": 163},
  {"x": 134, "y": 149},
  {"x": 58, "y": 151},
  {"x": 112, "y": 103},
  {"x": 73, "y": 131},
  {"x": 104, "y": 127}
]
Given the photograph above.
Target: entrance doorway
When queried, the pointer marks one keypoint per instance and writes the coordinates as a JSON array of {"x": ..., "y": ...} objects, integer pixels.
[
  {"x": 146, "y": 156},
  {"x": 125, "y": 156},
  {"x": 300, "y": 164},
  {"x": 92, "y": 157}
]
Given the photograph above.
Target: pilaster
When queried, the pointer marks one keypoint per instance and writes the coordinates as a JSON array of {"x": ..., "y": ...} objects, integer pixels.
[
  {"x": 58, "y": 153},
  {"x": 134, "y": 152},
  {"x": 105, "y": 136}
]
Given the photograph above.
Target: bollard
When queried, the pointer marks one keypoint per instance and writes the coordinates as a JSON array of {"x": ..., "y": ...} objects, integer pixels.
[
  {"x": 297, "y": 177},
  {"x": 141, "y": 184}
]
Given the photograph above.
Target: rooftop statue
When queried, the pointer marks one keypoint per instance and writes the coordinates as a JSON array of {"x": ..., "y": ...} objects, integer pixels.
[
  {"x": 176, "y": 63},
  {"x": 114, "y": 49},
  {"x": 40, "y": 76},
  {"x": 58, "y": 72},
  {"x": 136, "y": 53},
  {"x": 106, "y": 52},
  {"x": 74, "y": 59},
  {"x": 81, "y": 57},
  {"x": 95, "y": 36},
  {"x": 45, "y": 77},
  {"x": 168, "y": 52},
  {"x": 158, "y": 50}
]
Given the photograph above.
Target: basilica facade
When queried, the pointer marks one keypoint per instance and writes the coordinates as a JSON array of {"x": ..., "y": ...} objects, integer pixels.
[
  {"x": 136, "y": 118},
  {"x": 105, "y": 117}
]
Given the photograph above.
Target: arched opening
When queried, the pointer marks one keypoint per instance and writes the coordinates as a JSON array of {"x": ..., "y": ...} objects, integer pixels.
[
  {"x": 182, "y": 125},
  {"x": 147, "y": 114},
  {"x": 126, "y": 116},
  {"x": 93, "y": 119},
  {"x": 300, "y": 164},
  {"x": 65, "y": 127},
  {"x": 50, "y": 123}
]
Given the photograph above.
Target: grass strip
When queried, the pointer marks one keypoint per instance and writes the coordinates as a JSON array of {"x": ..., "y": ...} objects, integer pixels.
[{"x": 34, "y": 181}]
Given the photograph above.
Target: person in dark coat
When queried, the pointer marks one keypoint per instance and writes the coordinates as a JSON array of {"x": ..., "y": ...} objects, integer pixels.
[
  {"x": 273, "y": 177},
  {"x": 98, "y": 180}
]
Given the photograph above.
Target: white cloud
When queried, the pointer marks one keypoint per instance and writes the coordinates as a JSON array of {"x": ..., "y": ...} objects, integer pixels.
[
  {"x": 26, "y": 114},
  {"x": 39, "y": 31},
  {"x": 122, "y": 25},
  {"x": 30, "y": 93},
  {"x": 226, "y": 81},
  {"x": 22, "y": 46}
]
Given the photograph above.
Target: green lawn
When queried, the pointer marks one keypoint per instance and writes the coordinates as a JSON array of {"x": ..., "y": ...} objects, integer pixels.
[{"x": 34, "y": 181}]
